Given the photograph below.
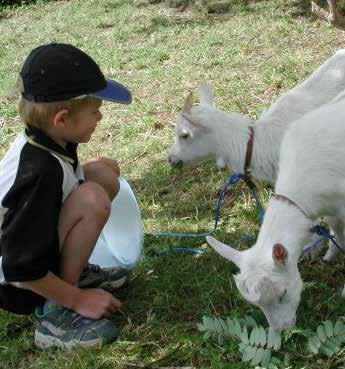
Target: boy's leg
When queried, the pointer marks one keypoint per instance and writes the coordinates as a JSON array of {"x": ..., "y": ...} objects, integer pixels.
[
  {"x": 105, "y": 172},
  {"x": 82, "y": 219}
]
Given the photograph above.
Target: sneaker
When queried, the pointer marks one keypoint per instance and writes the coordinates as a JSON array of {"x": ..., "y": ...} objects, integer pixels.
[
  {"x": 64, "y": 328},
  {"x": 109, "y": 279}
]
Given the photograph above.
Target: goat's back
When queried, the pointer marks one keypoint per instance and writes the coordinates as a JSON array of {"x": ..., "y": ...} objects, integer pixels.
[
  {"x": 312, "y": 157},
  {"x": 321, "y": 87}
]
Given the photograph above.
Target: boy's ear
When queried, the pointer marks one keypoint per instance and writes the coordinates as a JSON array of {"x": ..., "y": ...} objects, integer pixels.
[{"x": 60, "y": 118}]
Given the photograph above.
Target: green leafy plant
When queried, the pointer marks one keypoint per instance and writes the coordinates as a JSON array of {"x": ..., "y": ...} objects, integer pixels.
[
  {"x": 328, "y": 338},
  {"x": 256, "y": 343}
]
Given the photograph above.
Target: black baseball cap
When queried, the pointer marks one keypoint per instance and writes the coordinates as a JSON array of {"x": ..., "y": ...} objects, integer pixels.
[{"x": 56, "y": 72}]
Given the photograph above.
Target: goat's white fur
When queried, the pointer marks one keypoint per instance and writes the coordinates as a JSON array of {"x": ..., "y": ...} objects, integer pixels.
[
  {"x": 311, "y": 174},
  {"x": 206, "y": 131}
]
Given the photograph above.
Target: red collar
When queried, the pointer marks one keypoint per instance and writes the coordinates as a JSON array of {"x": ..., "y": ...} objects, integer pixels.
[
  {"x": 286, "y": 199},
  {"x": 249, "y": 153}
]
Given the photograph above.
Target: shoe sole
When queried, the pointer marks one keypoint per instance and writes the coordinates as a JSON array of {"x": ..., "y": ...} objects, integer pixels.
[
  {"x": 114, "y": 284},
  {"x": 45, "y": 342}
]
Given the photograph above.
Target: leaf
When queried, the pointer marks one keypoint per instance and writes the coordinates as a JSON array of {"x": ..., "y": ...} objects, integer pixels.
[
  {"x": 237, "y": 327},
  {"x": 336, "y": 340},
  {"x": 258, "y": 356},
  {"x": 220, "y": 340},
  {"x": 321, "y": 333},
  {"x": 206, "y": 335},
  {"x": 314, "y": 344},
  {"x": 230, "y": 327},
  {"x": 266, "y": 358},
  {"x": 250, "y": 321},
  {"x": 270, "y": 338},
  {"x": 328, "y": 328},
  {"x": 339, "y": 328},
  {"x": 207, "y": 322},
  {"x": 253, "y": 336},
  {"x": 244, "y": 335},
  {"x": 249, "y": 353},
  {"x": 273, "y": 339},
  {"x": 262, "y": 337},
  {"x": 327, "y": 351},
  {"x": 242, "y": 346},
  {"x": 329, "y": 348},
  {"x": 201, "y": 327},
  {"x": 218, "y": 326},
  {"x": 223, "y": 326}
]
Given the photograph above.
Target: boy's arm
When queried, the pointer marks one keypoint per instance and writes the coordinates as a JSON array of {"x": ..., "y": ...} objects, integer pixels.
[{"x": 90, "y": 303}]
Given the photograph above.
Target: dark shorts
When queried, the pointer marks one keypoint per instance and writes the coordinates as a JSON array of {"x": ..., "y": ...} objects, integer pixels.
[{"x": 19, "y": 301}]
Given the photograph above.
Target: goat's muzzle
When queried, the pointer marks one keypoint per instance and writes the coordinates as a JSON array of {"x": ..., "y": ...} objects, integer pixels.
[{"x": 174, "y": 162}]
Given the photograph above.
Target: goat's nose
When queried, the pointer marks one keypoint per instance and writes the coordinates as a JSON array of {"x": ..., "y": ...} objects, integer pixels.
[{"x": 174, "y": 162}]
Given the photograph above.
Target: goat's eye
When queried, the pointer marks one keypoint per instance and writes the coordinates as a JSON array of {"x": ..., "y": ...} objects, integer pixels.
[
  {"x": 281, "y": 297},
  {"x": 184, "y": 136}
]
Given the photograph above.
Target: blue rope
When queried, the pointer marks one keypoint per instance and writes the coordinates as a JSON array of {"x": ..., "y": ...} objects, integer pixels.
[
  {"x": 180, "y": 250},
  {"x": 325, "y": 234},
  {"x": 233, "y": 179}
]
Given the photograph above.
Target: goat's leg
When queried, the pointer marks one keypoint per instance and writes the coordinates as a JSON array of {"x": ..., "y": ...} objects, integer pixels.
[
  {"x": 337, "y": 228},
  {"x": 315, "y": 252},
  {"x": 334, "y": 16}
]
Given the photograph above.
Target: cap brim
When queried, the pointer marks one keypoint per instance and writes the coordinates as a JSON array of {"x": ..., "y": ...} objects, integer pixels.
[{"x": 115, "y": 92}]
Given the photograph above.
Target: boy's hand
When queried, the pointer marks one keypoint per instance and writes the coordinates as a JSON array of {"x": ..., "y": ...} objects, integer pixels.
[{"x": 95, "y": 303}]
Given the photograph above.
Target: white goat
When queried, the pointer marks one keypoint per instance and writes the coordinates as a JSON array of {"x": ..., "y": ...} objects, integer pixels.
[
  {"x": 204, "y": 131},
  {"x": 310, "y": 184}
]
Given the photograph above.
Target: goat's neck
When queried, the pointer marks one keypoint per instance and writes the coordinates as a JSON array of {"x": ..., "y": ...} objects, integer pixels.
[
  {"x": 266, "y": 147},
  {"x": 232, "y": 134},
  {"x": 284, "y": 223},
  {"x": 232, "y": 145}
]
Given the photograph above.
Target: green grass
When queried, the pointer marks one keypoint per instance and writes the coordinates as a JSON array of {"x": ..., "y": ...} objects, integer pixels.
[{"x": 249, "y": 55}]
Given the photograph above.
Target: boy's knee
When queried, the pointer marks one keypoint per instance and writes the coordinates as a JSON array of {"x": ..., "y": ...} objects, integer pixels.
[
  {"x": 95, "y": 198},
  {"x": 101, "y": 173}
]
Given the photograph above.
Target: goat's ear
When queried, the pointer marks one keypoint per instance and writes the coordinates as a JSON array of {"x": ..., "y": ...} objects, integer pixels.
[
  {"x": 279, "y": 254},
  {"x": 188, "y": 103},
  {"x": 226, "y": 251},
  {"x": 206, "y": 95}
]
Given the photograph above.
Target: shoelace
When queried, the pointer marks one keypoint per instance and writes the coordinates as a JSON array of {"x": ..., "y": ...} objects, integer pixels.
[{"x": 94, "y": 268}]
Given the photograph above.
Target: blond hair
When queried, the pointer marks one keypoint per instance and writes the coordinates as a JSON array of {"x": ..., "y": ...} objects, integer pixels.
[{"x": 40, "y": 114}]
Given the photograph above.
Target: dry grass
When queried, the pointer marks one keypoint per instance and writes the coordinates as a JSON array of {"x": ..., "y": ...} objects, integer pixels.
[{"x": 249, "y": 56}]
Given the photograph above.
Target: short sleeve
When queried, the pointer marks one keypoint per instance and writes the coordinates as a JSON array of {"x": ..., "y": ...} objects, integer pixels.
[{"x": 29, "y": 234}]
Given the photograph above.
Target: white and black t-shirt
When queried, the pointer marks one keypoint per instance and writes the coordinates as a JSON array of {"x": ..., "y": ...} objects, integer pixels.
[{"x": 36, "y": 176}]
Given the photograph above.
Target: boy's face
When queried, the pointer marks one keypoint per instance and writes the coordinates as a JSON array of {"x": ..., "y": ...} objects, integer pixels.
[{"x": 81, "y": 125}]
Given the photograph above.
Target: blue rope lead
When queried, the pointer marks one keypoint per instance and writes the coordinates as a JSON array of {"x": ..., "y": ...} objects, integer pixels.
[
  {"x": 233, "y": 179},
  {"x": 325, "y": 234}
]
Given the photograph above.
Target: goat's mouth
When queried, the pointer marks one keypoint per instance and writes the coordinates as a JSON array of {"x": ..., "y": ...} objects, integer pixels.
[{"x": 176, "y": 164}]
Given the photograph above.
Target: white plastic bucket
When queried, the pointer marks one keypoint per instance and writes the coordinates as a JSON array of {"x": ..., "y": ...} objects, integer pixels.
[{"x": 121, "y": 240}]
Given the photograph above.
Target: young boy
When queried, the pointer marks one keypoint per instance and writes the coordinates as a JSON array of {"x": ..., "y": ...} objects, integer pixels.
[{"x": 52, "y": 208}]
